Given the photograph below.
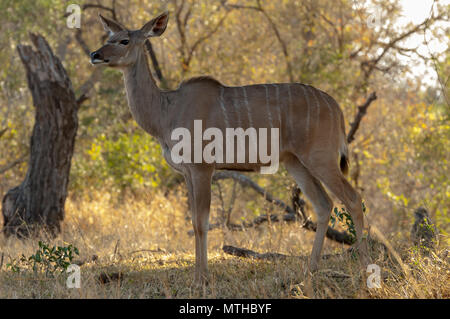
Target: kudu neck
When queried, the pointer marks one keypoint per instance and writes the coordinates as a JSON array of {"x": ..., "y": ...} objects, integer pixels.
[{"x": 144, "y": 96}]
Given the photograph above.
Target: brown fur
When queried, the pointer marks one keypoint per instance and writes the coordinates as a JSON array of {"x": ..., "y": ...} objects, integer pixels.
[{"x": 205, "y": 78}]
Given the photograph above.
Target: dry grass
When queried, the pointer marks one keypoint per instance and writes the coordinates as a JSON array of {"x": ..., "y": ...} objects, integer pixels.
[{"x": 147, "y": 242}]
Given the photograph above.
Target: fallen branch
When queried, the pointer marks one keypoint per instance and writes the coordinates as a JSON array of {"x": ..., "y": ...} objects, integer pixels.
[
  {"x": 247, "y": 182},
  {"x": 290, "y": 216},
  {"x": 274, "y": 218},
  {"x": 247, "y": 253}
]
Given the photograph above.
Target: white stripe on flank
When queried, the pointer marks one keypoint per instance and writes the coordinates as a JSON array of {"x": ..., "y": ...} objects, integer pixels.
[
  {"x": 278, "y": 104},
  {"x": 290, "y": 110},
  {"x": 314, "y": 90},
  {"x": 250, "y": 122},
  {"x": 324, "y": 96},
  {"x": 236, "y": 107},
  {"x": 308, "y": 111},
  {"x": 222, "y": 105},
  {"x": 269, "y": 114}
]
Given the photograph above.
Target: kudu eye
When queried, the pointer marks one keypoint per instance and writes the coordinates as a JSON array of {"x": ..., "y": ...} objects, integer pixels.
[{"x": 124, "y": 42}]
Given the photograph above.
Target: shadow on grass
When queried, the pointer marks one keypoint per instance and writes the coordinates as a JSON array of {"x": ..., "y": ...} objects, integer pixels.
[
  {"x": 233, "y": 277},
  {"x": 159, "y": 274}
]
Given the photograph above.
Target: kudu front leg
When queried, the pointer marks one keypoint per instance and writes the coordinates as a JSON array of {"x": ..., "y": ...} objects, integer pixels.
[{"x": 199, "y": 186}]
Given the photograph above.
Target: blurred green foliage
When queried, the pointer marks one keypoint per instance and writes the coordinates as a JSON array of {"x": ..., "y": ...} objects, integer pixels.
[{"x": 127, "y": 161}]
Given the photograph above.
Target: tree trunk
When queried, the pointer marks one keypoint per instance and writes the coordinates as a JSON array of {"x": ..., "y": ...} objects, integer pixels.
[{"x": 38, "y": 203}]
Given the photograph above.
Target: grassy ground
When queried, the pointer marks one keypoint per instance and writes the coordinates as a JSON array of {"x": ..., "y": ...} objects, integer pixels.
[{"x": 145, "y": 242}]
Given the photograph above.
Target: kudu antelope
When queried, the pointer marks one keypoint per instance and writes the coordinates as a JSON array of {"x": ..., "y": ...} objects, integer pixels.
[{"x": 312, "y": 142}]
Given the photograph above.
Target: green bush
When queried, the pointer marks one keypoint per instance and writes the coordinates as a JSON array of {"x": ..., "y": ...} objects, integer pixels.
[
  {"x": 128, "y": 161},
  {"x": 46, "y": 259}
]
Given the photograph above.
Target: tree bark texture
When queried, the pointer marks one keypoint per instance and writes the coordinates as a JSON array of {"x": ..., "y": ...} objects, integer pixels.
[{"x": 38, "y": 202}]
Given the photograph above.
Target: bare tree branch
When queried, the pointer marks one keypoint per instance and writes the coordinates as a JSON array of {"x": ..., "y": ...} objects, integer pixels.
[
  {"x": 7, "y": 167},
  {"x": 205, "y": 37},
  {"x": 274, "y": 28},
  {"x": 441, "y": 81},
  {"x": 82, "y": 43},
  {"x": 290, "y": 216},
  {"x": 247, "y": 182},
  {"x": 237, "y": 6},
  {"x": 369, "y": 66},
  {"x": 339, "y": 36},
  {"x": 87, "y": 86},
  {"x": 181, "y": 27},
  {"x": 187, "y": 51},
  {"x": 99, "y": 6},
  {"x": 362, "y": 110}
]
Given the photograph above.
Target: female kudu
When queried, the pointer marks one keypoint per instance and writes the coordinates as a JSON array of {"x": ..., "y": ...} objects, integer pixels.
[{"x": 312, "y": 144}]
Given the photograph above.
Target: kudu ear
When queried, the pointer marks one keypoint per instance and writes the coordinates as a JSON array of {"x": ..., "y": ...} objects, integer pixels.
[
  {"x": 157, "y": 26},
  {"x": 110, "y": 26}
]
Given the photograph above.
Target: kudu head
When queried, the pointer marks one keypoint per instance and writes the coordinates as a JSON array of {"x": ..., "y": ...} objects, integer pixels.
[{"x": 122, "y": 48}]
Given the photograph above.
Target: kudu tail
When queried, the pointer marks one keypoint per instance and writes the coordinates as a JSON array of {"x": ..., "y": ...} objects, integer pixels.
[{"x": 344, "y": 162}]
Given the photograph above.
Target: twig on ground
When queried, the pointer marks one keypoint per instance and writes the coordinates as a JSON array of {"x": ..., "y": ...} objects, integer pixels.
[{"x": 247, "y": 253}]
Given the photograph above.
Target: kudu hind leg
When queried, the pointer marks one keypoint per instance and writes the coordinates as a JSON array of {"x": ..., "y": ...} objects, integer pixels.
[
  {"x": 320, "y": 200},
  {"x": 199, "y": 186},
  {"x": 332, "y": 178}
]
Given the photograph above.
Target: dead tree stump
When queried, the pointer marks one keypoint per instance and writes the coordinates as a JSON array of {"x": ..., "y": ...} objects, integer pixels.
[{"x": 38, "y": 202}]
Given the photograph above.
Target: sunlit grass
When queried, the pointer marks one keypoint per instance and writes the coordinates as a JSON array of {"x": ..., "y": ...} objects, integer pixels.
[{"x": 146, "y": 241}]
